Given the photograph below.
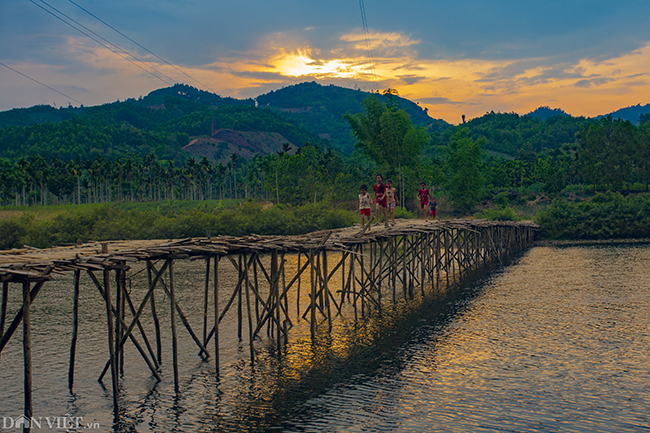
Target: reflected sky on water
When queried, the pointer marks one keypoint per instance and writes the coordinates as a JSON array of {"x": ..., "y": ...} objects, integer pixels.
[{"x": 560, "y": 341}]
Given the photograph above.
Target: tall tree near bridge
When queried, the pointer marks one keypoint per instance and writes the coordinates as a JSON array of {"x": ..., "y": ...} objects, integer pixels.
[
  {"x": 386, "y": 134},
  {"x": 466, "y": 181}
]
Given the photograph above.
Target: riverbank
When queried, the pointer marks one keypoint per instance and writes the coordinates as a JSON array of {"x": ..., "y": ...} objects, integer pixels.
[
  {"x": 50, "y": 227},
  {"x": 589, "y": 242}
]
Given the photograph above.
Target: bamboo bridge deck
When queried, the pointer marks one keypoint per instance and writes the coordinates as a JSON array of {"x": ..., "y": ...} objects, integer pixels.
[{"x": 376, "y": 267}]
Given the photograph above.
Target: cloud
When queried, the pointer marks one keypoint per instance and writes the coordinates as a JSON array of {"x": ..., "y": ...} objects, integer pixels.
[
  {"x": 593, "y": 82},
  {"x": 583, "y": 56},
  {"x": 410, "y": 79},
  {"x": 440, "y": 101}
]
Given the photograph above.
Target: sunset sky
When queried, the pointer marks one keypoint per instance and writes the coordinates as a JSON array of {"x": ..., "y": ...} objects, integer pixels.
[{"x": 587, "y": 57}]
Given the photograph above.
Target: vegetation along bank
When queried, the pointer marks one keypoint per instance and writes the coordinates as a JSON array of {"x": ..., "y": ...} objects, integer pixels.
[{"x": 304, "y": 151}]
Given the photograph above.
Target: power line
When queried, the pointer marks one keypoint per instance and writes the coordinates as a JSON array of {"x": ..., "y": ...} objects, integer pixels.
[
  {"x": 110, "y": 43},
  {"x": 366, "y": 33},
  {"x": 125, "y": 57},
  {"x": 42, "y": 84},
  {"x": 141, "y": 46}
]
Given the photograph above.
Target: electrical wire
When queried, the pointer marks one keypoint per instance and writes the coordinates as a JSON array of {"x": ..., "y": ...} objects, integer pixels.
[
  {"x": 124, "y": 56},
  {"x": 42, "y": 84},
  {"x": 366, "y": 33},
  {"x": 141, "y": 46},
  {"x": 124, "y": 53}
]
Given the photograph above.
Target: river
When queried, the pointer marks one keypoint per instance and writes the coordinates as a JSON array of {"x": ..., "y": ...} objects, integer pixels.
[{"x": 559, "y": 340}]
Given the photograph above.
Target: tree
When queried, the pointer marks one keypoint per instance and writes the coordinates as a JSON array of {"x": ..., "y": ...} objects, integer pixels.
[
  {"x": 607, "y": 148},
  {"x": 386, "y": 134},
  {"x": 644, "y": 118},
  {"x": 466, "y": 182}
]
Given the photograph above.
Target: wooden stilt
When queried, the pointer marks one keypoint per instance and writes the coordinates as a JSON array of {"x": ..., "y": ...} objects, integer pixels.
[
  {"x": 326, "y": 291},
  {"x": 75, "y": 327},
  {"x": 156, "y": 322},
  {"x": 298, "y": 291},
  {"x": 19, "y": 316},
  {"x": 275, "y": 287},
  {"x": 257, "y": 290},
  {"x": 216, "y": 314},
  {"x": 3, "y": 308},
  {"x": 283, "y": 290},
  {"x": 27, "y": 353},
  {"x": 312, "y": 297},
  {"x": 239, "y": 298},
  {"x": 111, "y": 342},
  {"x": 250, "y": 317},
  {"x": 119, "y": 318},
  {"x": 353, "y": 285},
  {"x": 172, "y": 309},
  {"x": 422, "y": 243},
  {"x": 205, "y": 300}
]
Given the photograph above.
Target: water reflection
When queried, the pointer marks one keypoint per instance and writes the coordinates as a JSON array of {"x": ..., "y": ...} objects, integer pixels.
[
  {"x": 546, "y": 346},
  {"x": 558, "y": 342}
]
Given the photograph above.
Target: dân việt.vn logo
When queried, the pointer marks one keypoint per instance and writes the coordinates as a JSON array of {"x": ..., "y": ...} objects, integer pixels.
[{"x": 61, "y": 423}]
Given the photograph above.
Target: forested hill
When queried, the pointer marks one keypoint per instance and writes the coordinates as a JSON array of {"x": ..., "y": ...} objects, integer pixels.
[
  {"x": 154, "y": 100},
  {"x": 544, "y": 113},
  {"x": 139, "y": 127},
  {"x": 632, "y": 113},
  {"x": 321, "y": 108},
  {"x": 515, "y": 135},
  {"x": 306, "y": 112}
]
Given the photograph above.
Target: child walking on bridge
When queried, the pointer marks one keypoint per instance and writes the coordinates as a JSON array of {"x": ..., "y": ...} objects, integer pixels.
[{"x": 364, "y": 204}]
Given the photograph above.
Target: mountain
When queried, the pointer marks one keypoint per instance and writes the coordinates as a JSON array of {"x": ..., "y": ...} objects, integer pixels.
[
  {"x": 164, "y": 128},
  {"x": 544, "y": 113},
  {"x": 36, "y": 114},
  {"x": 321, "y": 108},
  {"x": 189, "y": 93},
  {"x": 631, "y": 113},
  {"x": 511, "y": 134},
  {"x": 307, "y": 112}
]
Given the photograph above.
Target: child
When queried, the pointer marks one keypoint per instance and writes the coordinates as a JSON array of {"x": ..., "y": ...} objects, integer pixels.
[
  {"x": 423, "y": 196},
  {"x": 380, "y": 199},
  {"x": 433, "y": 205},
  {"x": 391, "y": 200},
  {"x": 364, "y": 204}
]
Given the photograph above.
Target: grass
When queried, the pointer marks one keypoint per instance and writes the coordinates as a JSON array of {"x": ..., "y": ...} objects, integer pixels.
[{"x": 50, "y": 225}]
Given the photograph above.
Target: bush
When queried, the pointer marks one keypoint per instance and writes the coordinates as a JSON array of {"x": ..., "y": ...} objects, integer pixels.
[
  {"x": 498, "y": 214},
  {"x": 402, "y": 212},
  {"x": 114, "y": 223},
  {"x": 605, "y": 216}
]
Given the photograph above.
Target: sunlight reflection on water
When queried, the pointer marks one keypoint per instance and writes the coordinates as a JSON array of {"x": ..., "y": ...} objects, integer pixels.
[{"x": 558, "y": 342}]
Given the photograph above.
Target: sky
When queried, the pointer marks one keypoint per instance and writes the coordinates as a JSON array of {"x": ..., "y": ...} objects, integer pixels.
[{"x": 587, "y": 57}]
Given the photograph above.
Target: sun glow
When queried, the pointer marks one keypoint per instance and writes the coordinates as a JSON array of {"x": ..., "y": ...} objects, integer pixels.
[{"x": 300, "y": 64}]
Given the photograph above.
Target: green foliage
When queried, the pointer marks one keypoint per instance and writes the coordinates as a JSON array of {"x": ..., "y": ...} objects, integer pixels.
[
  {"x": 607, "y": 152},
  {"x": 644, "y": 118},
  {"x": 466, "y": 182},
  {"x": 498, "y": 214},
  {"x": 401, "y": 212},
  {"x": 507, "y": 133},
  {"x": 112, "y": 223},
  {"x": 321, "y": 109},
  {"x": 606, "y": 216},
  {"x": 386, "y": 134},
  {"x": 137, "y": 127}
]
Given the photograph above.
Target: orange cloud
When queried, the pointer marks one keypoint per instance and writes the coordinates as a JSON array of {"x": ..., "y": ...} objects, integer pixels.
[{"x": 447, "y": 87}]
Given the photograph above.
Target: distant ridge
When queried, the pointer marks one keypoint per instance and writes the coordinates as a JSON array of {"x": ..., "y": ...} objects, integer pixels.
[
  {"x": 631, "y": 113},
  {"x": 316, "y": 108},
  {"x": 321, "y": 108},
  {"x": 544, "y": 113}
]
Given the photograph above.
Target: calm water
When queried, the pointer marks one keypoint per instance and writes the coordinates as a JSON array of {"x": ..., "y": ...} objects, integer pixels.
[{"x": 559, "y": 341}]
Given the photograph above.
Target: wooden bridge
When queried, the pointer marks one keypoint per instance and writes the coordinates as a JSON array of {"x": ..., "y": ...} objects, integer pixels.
[{"x": 375, "y": 268}]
